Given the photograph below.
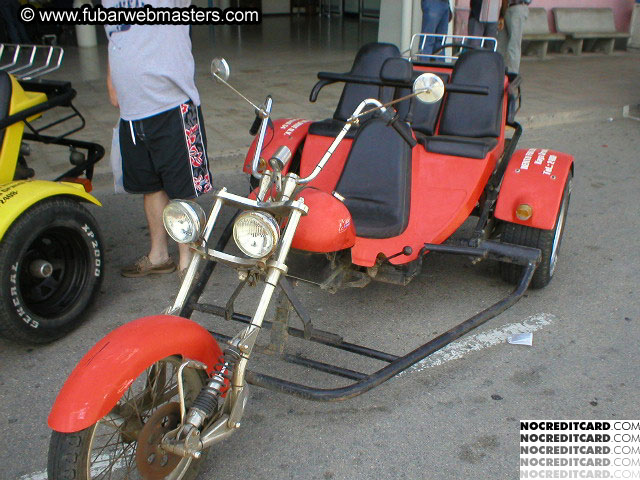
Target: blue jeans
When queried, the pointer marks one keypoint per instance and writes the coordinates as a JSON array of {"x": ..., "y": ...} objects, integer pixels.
[
  {"x": 435, "y": 17},
  {"x": 15, "y": 29}
]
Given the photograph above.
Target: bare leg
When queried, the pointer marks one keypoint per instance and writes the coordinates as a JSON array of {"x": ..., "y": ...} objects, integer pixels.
[
  {"x": 185, "y": 256},
  {"x": 154, "y": 204}
]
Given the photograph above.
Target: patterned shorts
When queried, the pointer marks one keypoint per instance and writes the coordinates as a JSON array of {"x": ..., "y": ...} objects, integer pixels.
[{"x": 166, "y": 152}]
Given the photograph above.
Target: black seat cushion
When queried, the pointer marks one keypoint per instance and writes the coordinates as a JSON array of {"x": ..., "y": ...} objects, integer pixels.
[
  {"x": 376, "y": 181},
  {"x": 459, "y": 146},
  {"x": 471, "y": 115},
  {"x": 331, "y": 128},
  {"x": 5, "y": 99}
]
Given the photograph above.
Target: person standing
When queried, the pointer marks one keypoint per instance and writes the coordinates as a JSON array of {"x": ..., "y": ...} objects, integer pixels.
[
  {"x": 162, "y": 137},
  {"x": 9, "y": 10},
  {"x": 483, "y": 18},
  {"x": 436, "y": 15},
  {"x": 514, "y": 15}
]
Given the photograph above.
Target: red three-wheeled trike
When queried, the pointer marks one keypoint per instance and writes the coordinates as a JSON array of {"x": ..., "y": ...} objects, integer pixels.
[{"x": 413, "y": 150}]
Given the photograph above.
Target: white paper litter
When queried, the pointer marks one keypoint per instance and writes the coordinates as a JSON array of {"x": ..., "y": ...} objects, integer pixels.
[{"x": 521, "y": 339}]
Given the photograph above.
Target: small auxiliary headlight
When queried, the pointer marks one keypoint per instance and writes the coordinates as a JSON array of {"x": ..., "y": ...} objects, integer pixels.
[
  {"x": 183, "y": 220},
  {"x": 524, "y": 211},
  {"x": 256, "y": 233}
]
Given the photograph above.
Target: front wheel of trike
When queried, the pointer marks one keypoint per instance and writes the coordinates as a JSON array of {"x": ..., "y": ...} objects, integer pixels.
[
  {"x": 548, "y": 241},
  {"x": 125, "y": 443}
]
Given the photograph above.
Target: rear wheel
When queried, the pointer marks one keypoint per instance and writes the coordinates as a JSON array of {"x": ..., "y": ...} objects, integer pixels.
[
  {"x": 51, "y": 264},
  {"x": 548, "y": 241},
  {"x": 125, "y": 443}
]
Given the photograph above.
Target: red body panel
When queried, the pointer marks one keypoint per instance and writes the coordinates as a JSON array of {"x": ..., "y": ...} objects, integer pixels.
[
  {"x": 287, "y": 132},
  {"x": 107, "y": 370},
  {"x": 328, "y": 227},
  {"x": 314, "y": 148},
  {"x": 535, "y": 177}
]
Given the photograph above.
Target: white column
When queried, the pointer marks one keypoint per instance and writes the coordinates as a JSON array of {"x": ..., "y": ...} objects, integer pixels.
[{"x": 395, "y": 25}]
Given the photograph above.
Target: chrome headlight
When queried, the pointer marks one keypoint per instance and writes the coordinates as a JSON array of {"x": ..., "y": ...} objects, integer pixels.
[
  {"x": 183, "y": 220},
  {"x": 256, "y": 233}
]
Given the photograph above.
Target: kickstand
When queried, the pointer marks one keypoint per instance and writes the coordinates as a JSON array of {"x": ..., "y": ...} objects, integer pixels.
[
  {"x": 228, "y": 311},
  {"x": 287, "y": 289}
]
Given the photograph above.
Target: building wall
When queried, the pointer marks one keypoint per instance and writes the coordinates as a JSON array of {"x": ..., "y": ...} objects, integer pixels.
[{"x": 621, "y": 10}]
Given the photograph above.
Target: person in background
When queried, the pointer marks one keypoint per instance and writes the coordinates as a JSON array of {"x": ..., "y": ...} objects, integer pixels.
[
  {"x": 162, "y": 137},
  {"x": 9, "y": 10},
  {"x": 514, "y": 15},
  {"x": 483, "y": 19},
  {"x": 436, "y": 15}
]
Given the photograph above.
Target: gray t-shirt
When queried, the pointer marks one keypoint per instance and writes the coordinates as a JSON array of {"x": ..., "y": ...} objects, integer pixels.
[{"x": 152, "y": 68}]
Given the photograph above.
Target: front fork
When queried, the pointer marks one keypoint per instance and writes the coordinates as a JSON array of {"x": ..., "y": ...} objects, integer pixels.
[{"x": 188, "y": 440}]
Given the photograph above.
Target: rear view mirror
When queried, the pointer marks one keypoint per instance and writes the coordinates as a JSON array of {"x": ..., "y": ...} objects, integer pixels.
[
  {"x": 429, "y": 88},
  {"x": 220, "y": 69}
]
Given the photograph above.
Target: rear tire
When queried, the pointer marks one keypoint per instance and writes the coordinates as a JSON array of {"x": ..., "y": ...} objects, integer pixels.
[
  {"x": 51, "y": 266},
  {"x": 548, "y": 241},
  {"x": 108, "y": 449}
]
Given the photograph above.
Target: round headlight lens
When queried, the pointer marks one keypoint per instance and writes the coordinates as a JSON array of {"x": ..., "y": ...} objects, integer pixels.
[
  {"x": 183, "y": 220},
  {"x": 256, "y": 233}
]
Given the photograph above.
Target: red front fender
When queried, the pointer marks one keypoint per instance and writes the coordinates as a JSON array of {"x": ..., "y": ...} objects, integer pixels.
[{"x": 107, "y": 370}]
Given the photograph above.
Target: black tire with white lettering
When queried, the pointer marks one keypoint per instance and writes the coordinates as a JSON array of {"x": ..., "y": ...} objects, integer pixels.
[
  {"x": 51, "y": 265},
  {"x": 548, "y": 241}
]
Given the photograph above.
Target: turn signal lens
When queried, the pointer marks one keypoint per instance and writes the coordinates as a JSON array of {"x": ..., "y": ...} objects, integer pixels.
[{"x": 524, "y": 211}]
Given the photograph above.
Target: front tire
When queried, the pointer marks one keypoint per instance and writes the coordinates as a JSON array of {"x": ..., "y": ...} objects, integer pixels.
[
  {"x": 51, "y": 266},
  {"x": 548, "y": 241},
  {"x": 110, "y": 449}
]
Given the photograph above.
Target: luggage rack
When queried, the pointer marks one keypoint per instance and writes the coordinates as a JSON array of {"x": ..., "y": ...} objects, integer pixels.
[
  {"x": 453, "y": 43},
  {"x": 27, "y": 62}
]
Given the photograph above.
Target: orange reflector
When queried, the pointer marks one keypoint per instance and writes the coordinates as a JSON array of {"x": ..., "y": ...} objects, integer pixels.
[
  {"x": 524, "y": 211},
  {"x": 85, "y": 182}
]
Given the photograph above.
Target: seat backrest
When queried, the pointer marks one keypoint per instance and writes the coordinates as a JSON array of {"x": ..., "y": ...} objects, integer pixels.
[
  {"x": 472, "y": 115},
  {"x": 537, "y": 21},
  {"x": 584, "y": 20},
  {"x": 368, "y": 63},
  {"x": 423, "y": 117}
]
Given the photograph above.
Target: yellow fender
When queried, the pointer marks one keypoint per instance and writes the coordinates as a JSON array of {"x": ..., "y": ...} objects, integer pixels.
[{"x": 18, "y": 196}]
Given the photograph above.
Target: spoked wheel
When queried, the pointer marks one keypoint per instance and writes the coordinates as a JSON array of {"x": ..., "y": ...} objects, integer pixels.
[
  {"x": 125, "y": 443},
  {"x": 50, "y": 266},
  {"x": 548, "y": 241}
]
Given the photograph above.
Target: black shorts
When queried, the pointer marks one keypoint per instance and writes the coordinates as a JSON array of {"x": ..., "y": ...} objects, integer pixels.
[{"x": 166, "y": 152}]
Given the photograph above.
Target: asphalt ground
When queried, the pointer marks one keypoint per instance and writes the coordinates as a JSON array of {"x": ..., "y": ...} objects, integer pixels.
[{"x": 455, "y": 417}]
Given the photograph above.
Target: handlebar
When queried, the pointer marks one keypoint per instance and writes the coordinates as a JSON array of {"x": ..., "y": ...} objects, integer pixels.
[
  {"x": 255, "y": 126},
  {"x": 263, "y": 130},
  {"x": 463, "y": 88}
]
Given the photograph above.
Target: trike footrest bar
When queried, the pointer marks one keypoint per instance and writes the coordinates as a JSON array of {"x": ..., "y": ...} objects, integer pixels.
[{"x": 503, "y": 252}]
